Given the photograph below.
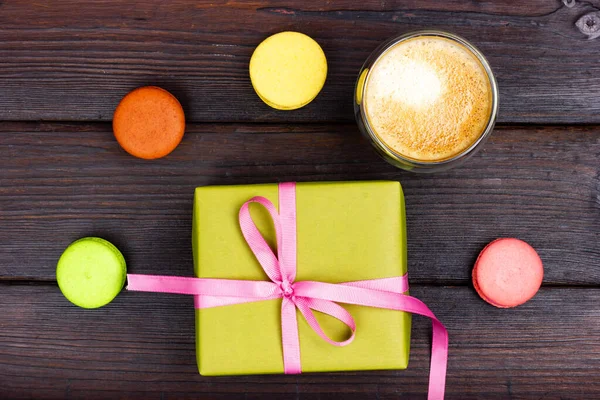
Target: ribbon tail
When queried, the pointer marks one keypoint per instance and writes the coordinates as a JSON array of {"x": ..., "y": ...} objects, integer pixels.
[
  {"x": 393, "y": 301},
  {"x": 439, "y": 360},
  {"x": 290, "y": 339}
]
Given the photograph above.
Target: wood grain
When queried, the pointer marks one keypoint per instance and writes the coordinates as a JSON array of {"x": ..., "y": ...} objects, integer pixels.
[
  {"x": 60, "y": 182},
  {"x": 57, "y": 64},
  {"x": 142, "y": 345}
]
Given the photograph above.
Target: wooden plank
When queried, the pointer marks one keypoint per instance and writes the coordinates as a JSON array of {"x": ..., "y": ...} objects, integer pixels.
[
  {"x": 142, "y": 345},
  {"x": 74, "y": 60},
  {"x": 62, "y": 182}
]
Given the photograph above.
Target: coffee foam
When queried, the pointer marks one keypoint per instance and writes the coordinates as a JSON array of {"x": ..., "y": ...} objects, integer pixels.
[{"x": 428, "y": 98}]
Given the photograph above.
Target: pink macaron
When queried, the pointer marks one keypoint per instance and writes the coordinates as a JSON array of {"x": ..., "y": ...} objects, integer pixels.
[{"x": 507, "y": 273}]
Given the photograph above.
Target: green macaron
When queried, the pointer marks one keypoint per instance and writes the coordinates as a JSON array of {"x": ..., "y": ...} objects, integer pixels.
[{"x": 91, "y": 272}]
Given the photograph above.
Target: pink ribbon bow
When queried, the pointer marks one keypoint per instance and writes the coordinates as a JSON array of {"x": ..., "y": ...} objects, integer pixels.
[{"x": 304, "y": 295}]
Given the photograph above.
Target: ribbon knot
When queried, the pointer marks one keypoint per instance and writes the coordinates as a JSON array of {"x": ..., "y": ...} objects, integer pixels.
[
  {"x": 306, "y": 296},
  {"x": 287, "y": 289}
]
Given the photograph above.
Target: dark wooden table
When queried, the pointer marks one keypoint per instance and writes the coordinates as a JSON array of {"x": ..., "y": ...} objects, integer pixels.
[{"x": 65, "y": 65}]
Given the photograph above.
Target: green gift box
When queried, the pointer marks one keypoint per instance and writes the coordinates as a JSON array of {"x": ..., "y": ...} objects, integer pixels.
[{"x": 346, "y": 231}]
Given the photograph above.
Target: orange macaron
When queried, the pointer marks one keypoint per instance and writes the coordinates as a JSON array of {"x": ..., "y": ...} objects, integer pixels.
[
  {"x": 507, "y": 273},
  {"x": 149, "y": 122}
]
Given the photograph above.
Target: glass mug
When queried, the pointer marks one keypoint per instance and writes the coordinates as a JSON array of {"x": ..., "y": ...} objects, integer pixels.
[{"x": 419, "y": 84}]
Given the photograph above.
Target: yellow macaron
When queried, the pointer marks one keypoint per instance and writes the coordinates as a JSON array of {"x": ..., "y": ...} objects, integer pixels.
[{"x": 288, "y": 70}]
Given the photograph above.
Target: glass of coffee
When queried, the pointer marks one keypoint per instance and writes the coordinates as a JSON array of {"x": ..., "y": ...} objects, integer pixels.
[{"x": 426, "y": 100}]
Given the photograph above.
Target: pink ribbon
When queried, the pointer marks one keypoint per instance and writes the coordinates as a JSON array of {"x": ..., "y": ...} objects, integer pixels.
[{"x": 304, "y": 295}]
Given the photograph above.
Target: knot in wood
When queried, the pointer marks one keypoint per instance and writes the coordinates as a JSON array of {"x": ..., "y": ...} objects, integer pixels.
[{"x": 589, "y": 24}]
